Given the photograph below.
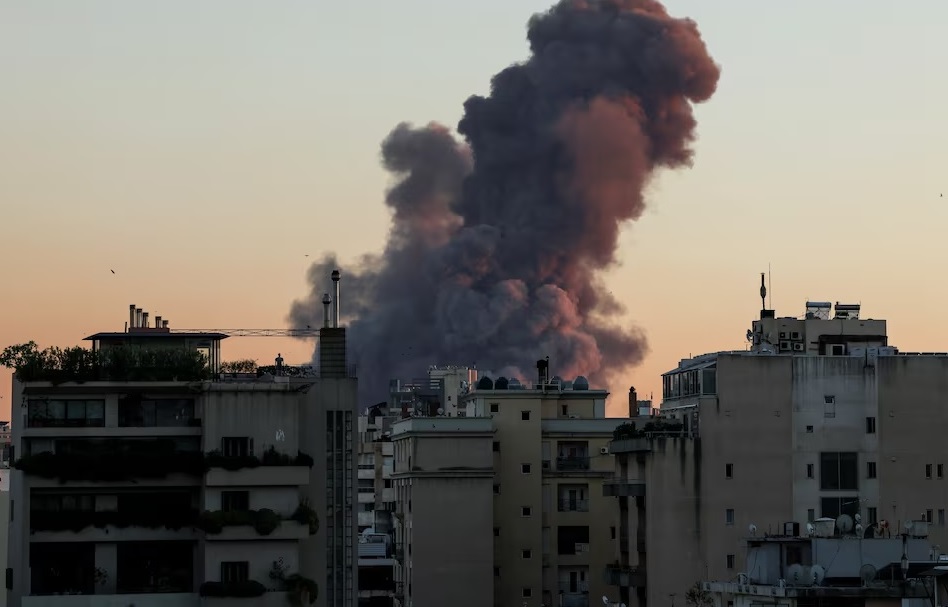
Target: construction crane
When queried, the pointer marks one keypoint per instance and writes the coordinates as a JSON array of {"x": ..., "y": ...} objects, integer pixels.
[{"x": 307, "y": 332}]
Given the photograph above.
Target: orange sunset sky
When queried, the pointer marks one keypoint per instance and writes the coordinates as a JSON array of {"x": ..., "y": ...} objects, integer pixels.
[{"x": 203, "y": 158}]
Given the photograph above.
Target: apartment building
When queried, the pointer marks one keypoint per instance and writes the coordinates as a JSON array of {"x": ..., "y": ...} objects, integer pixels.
[
  {"x": 515, "y": 486},
  {"x": 819, "y": 418},
  {"x": 145, "y": 476}
]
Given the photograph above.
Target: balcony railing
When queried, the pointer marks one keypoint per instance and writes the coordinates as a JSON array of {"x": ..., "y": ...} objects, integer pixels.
[
  {"x": 624, "y": 575},
  {"x": 573, "y": 505},
  {"x": 621, "y": 487},
  {"x": 573, "y": 587},
  {"x": 572, "y": 463}
]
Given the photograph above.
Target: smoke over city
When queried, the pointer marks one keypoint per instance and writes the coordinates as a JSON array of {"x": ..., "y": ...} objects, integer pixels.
[{"x": 497, "y": 244}]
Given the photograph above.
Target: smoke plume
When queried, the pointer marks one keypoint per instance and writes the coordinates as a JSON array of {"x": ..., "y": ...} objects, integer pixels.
[{"x": 496, "y": 245}]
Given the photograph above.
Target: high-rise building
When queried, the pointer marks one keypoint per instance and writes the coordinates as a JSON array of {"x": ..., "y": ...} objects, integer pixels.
[
  {"x": 504, "y": 503},
  {"x": 145, "y": 474},
  {"x": 818, "y": 418}
]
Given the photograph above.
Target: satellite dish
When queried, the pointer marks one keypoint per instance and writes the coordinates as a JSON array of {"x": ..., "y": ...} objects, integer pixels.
[
  {"x": 844, "y": 523},
  {"x": 868, "y": 574},
  {"x": 605, "y": 600},
  {"x": 810, "y": 528},
  {"x": 752, "y": 528},
  {"x": 859, "y": 529},
  {"x": 857, "y": 517},
  {"x": 750, "y": 335},
  {"x": 908, "y": 525},
  {"x": 440, "y": 411},
  {"x": 795, "y": 573},
  {"x": 818, "y": 573}
]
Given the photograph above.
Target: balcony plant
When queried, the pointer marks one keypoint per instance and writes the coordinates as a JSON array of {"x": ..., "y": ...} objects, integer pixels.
[
  {"x": 239, "y": 366},
  {"x": 245, "y": 589},
  {"x": 697, "y": 596},
  {"x": 120, "y": 363},
  {"x": 305, "y": 515},
  {"x": 300, "y": 590},
  {"x": 77, "y": 520},
  {"x": 114, "y": 460},
  {"x": 264, "y": 521},
  {"x": 270, "y": 457}
]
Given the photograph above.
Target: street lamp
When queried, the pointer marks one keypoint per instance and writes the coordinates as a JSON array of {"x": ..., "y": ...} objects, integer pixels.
[{"x": 904, "y": 563}]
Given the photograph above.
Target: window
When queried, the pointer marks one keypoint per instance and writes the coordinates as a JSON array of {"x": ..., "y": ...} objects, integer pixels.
[
  {"x": 525, "y": 468},
  {"x": 235, "y": 501},
  {"x": 832, "y": 507},
  {"x": 525, "y": 554},
  {"x": 809, "y": 470},
  {"x": 729, "y": 516},
  {"x": 728, "y": 470},
  {"x": 496, "y": 446},
  {"x": 870, "y": 469},
  {"x": 42, "y": 413},
  {"x": 496, "y": 489},
  {"x": 810, "y": 515},
  {"x": 496, "y": 571},
  {"x": 494, "y": 407},
  {"x": 730, "y": 561},
  {"x": 236, "y": 446},
  {"x": 525, "y": 415},
  {"x": 809, "y": 429},
  {"x": 929, "y": 516},
  {"x": 526, "y": 511},
  {"x": 928, "y": 470},
  {"x": 870, "y": 425},
  {"x": 234, "y": 571},
  {"x": 940, "y": 470},
  {"x": 829, "y": 406},
  {"x": 871, "y": 514},
  {"x": 526, "y": 593},
  {"x": 137, "y": 412},
  {"x": 838, "y": 471},
  {"x": 565, "y": 409},
  {"x": 941, "y": 514},
  {"x": 612, "y": 532},
  {"x": 496, "y": 531}
]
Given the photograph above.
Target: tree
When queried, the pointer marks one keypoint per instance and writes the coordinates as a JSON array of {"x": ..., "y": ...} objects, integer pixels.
[{"x": 697, "y": 596}]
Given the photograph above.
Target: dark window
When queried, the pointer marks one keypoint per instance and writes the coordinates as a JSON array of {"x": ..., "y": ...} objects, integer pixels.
[
  {"x": 941, "y": 516},
  {"x": 838, "y": 471},
  {"x": 940, "y": 468},
  {"x": 526, "y": 593},
  {"x": 496, "y": 489},
  {"x": 496, "y": 446},
  {"x": 928, "y": 470},
  {"x": 929, "y": 516},
  {"x": 526, "y": 511},
  {"x": 809, "y": 429},
  {"x": 235, "y": 571},
  {"x": 496, "y": 531},
  {"x": 138, "y": 412},
  {"x": 709, "y": 381},
  {"x": 809, "y": 470},
  {"x": 525, "y": 415},
  {"x": 730, "y": 561},
  {"x": 870, "y": 469},
  {"x": 728, "y": 470},
  {"x": 66, "y": 568},
  {"x": 494, "y": 407},
  {"x": 572, "y": 539},
  {"x": 870, "y": 425},
  {"x": 872, "y": 515},
  {"x": 810, "y": 515},
  {"x": 729, "y": 516},
  {"x": 236, "y": 446},
  {"x": 526, "y": 554},
  {"x": 496, "y": 571},
  {"x": 832, "y": 507},
  {"x": 235, "y": 501},
  {"x": 152, "y": 567},
  {"x": 525, "y": 468},
  {"x": 42, "y": 413}
]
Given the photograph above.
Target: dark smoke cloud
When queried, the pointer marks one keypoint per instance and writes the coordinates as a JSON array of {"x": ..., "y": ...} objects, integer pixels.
[{"x": 496, "y": 246}]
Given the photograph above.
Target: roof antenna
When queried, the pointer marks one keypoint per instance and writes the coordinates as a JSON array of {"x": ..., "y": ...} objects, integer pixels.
[
  {"x": 763, "y": 293},
  {"x": 770, "y": 287}
]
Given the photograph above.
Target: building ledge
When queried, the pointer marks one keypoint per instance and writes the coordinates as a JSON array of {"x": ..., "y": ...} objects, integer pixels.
[
  {"x": 288, "y": 530},
  {"x": 261, "y": 476},
  {"x": 881, "y": 590},
  {"x": 173, "y": 599}
]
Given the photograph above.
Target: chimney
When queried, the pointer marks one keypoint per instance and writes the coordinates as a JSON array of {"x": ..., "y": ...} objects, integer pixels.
[
  {"x": 157, "y": 322},
  {"x": 138, "y": 317},
  {"x": 633, "y": 402},
  {"x": 164, "y": 324},
  {"x": 131, "y": 316},
  {"x": 327, "y": 301},
  {"x": 335, "y": 281},
  {"x": 145, "y": 320}
]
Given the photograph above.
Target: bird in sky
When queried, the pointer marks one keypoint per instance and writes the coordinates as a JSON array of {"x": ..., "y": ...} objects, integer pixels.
[{"x": 113, "y": 271}]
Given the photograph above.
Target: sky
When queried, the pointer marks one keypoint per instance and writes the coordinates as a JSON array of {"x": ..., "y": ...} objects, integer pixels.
[{"x": 203, "y": 150}]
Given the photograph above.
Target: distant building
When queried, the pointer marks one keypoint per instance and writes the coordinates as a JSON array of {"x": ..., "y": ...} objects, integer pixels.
[
  {"x": 150, "y": 478},
  {"x": 819, "y": 417},
  {"x": 514, "y": 483}
]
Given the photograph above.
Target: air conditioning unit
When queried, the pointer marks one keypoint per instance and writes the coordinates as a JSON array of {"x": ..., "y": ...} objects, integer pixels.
[
  {"x": 783, "y": 335},
  {"x": 604, "y": 450},
  {"x": 798, "y": 347},
  {"x": 795, "y": 335}
]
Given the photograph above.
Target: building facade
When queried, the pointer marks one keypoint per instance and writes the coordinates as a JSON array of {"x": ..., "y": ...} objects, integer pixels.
[
  {"x": 537, "y": 454},
  {"x": 148, "y": 477},
  {"x": 820, "y": 417}
]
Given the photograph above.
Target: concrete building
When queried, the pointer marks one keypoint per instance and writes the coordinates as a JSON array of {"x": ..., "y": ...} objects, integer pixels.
[
  {"x": 819, "y": 417},
  {"x": 833, "y": 568},
  {"x": 504, "y": 505},
  {"x": 145, "y": 476}
]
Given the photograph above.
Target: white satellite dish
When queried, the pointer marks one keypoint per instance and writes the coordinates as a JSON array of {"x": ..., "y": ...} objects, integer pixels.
[
  {"x": 752, "y": 528},
  {"x": 605, "y": 600},
  {"x": 844, "y": 523},
  {"x": 795, "y": 573},
  {"x": 810, "y": 528},
  {"x": 818, "y": 573}
]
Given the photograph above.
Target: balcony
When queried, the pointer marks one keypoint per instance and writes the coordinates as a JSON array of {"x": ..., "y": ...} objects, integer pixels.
[
  {"x": 572, "y": 463},
  {"x": 620, "y": 487},
  {"x": 572, "y": 505},
  {"x": 630, "y": 445},
  {"x": 172, "y": 599},
  {"x": 623, "y": 575}
]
